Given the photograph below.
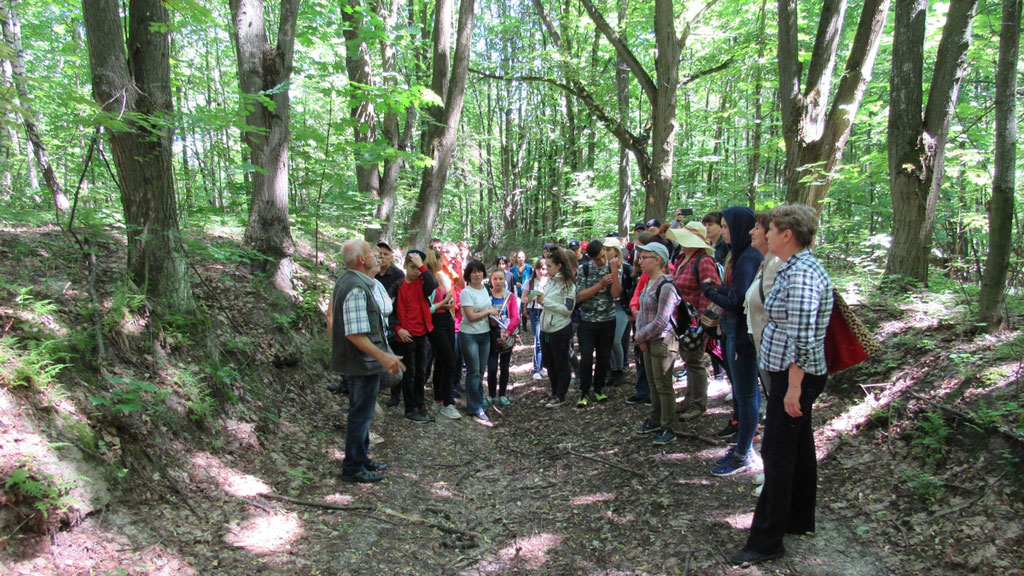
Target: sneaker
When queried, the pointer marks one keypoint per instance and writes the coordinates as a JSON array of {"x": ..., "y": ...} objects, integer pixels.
[
  {"x": 634, "y": 399},
  {"x": 544, "y": 372},
  {"x": 759, "y": 479},
  {"x": 555, "y": 403},
  {"x": 600, "y": 397},
  {"x": 503, "y": 401},
  {"x": 728, "y": 397},
  {"x": 363, "y": 477},
  {"x": 731, "y": 428},
  {"x": 691, "y": 414},
  {"x": 418, "y": 417},
  {"x": 582, "y": 402},
  {"x": 450, "y": 411},
  {"x": 665, "y": 437},
  {"x": 748, "y": 556},
  {"x": 648, "y": 427},
  {"x": 537, "y": 376},
  {"x": 727, "y": 458},
  {"x": 482, "y": 419},
  {"x": 375, "y": 439},
  {"x": 618, "y": 378},
  {"x": 488, "y": 401},
  {"x": 735, "y": 466},
  {"x": 544, "y": 400}
]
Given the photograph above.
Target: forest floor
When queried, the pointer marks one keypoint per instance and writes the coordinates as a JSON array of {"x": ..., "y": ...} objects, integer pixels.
[{"x": 255, "y": 487}]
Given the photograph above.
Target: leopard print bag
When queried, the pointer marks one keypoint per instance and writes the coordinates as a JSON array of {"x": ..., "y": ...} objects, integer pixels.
[{"x": 847, "y": 341}]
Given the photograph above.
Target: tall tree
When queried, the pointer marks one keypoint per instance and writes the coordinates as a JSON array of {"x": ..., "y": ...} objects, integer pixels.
[
  {"x": 1000, "y": 209},
  {"x": 133, "y": 87},
  {"x": 814, "y": 140},
  {"x": 624, "y": 214},
  {"x": 917, "y": 144},
  {"x": 12, "y": 36},
  {"x": 442, "y": 130},
  {"x": 263, "y": 76}
]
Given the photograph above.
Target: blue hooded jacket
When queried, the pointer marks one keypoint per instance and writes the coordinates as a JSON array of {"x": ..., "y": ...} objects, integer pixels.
[{"x": 745, "y": 261}]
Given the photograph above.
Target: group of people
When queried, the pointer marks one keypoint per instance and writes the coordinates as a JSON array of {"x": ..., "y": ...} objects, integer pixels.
[{"x": 755, "y": 271}]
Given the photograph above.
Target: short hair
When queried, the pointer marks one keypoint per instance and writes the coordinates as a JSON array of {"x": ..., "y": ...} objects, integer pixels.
[
  {"x": 435, "y": 241},
  {"x": 351, "y": 250},
  {"x": 763, "y": 218},
  {"x": 800, "y": 218},
  {"x": 594, "y": 248},
  {"x": 503, "y": 273},
  {"x": 473, "y": 265},
  {"x": 712, "y": 218}
]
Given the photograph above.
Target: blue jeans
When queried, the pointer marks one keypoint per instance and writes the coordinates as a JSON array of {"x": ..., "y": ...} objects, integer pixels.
[
  {"x": 618, "y": 356},
  {"x": 535, "y": 324},
  {"x": 362, "y": 399},
  {"x": 745, "y": 393},
  {"x": 475, "y": 350}
]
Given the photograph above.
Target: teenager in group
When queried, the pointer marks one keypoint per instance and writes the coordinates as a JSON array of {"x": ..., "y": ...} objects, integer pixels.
[
  {"x": 693, "y": 265},
  {"x": 475, "y": 336},
  {"x": 712, "y": 222},
  {"x": 521, "y": 272},
  {"x": 656, "y": 338},
  {"x": 793, "y": 352},
  {"x": 503, "y": 335},
  {"x": 504, "y": 264},
  {"x": 412, "y": 310},
  {"x": 536, "y": 283},
  {"x": 442, "y": 337},
  {"x": 558, "y": 301},
  {"x": 598, "y": 287},
  {"x": 620, "y": 342},
  {"x": 740, "y": 354}
]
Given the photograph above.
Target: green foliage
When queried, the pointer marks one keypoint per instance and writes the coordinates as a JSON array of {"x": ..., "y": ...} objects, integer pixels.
[
  {"x": 926, "y": 486},
  {"x": 131, "y": 396},
  {"x": 47, "y": 493},
  {"x": 931, "y": 437},
  {"x": 34, "y": 365},
  {"x": 996, "y": 413}
]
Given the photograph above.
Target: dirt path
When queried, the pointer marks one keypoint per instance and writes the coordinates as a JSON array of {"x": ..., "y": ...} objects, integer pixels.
[{"x": 547, "y": 491}]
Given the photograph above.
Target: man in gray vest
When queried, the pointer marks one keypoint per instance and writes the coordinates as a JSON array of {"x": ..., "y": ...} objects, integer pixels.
[{"x": 359, "y": 350}]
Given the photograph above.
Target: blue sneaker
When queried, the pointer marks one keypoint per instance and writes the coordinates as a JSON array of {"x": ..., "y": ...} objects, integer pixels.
[
  {"x": 735, "y": 466},
  {"x": 727, "y": 458}
]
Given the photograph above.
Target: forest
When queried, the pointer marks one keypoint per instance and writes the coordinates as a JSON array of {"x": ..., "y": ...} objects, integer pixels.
[{"x": 177, "y": 178}]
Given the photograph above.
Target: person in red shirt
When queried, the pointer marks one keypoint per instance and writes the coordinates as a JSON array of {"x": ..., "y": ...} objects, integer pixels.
[{"x": 412, "y": 310}]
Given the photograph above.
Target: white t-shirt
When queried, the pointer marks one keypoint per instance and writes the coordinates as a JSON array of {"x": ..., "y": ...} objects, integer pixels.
[{"x": 480, "y": 300}]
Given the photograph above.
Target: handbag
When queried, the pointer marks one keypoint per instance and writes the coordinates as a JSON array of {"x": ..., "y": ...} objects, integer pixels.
[{"x": 847, "y": 341}]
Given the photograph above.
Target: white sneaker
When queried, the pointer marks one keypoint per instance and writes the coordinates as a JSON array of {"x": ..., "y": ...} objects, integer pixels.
[
  {"x": 728, "y": 397},
  {"x": 451, "y": 412},
  {"x": 757, "y": 491},
  {"x": 375, "y": 438},
  {"x": 537, "y": 376},
  {"x": 759, "y": 479},
  {"x": 544, "y": 372}
]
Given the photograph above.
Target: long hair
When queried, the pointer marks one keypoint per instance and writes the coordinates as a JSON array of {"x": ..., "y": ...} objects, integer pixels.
[{"x": 566, "y": 260}]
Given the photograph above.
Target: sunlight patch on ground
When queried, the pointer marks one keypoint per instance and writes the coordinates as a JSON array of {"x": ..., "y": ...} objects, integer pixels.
[
  {"x": 613, "y": 517},
  {"x": 442, "y": 490},
  {"x": 229, "y": 480},
  {"x": 592, "y": 498},
  {"x": 740, "y": 521},
  {"x": 698, "y": 481},
  {"x": 337, "y": 454},
  {"x": 339, "y": 499},
  {"x": 243, "y": 432},
  {"x": 529, "y": 553},
  {"x": 673, "y": 457},
  {"x": 265, "y": 535}
]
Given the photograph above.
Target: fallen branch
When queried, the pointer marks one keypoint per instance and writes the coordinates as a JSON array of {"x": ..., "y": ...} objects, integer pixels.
[
  {"x": 1005, "y": 431},
  {"x": 441, "y": 527},
  {"x": 605, "y": 462},
  {"x": 967, "y": 504}
]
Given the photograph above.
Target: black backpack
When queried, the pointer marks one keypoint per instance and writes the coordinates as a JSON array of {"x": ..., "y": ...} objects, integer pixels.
[{"x": 686, "y": 321}]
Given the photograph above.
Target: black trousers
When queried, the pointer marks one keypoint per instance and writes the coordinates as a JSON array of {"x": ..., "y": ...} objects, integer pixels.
[
  {"x": 414, "y": 356},
  {"x": 789, "y": 496},
  {"x": 595, "y": 337},
  {"x": 442, "y": 343},
  {"x": 555, "y": 353}
]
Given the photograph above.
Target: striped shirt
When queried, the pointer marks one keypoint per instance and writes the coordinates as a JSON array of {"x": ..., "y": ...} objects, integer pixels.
[{"x": 798, "y": 307}]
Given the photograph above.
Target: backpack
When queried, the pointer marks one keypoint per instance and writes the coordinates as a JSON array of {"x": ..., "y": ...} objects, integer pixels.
[
  {"x": 685, "y": 322},
  {"x": 577, "y": 314},
  {"x": 710, "y": 317}
]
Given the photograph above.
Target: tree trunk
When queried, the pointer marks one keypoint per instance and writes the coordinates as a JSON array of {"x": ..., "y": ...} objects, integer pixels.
[
  {"x": 917, "y": 145},
  {"x": 397, "y": 138},
  {"x": 441, "y": 135},
  {"x": 12, "y": 35},
  {"x": 814, "y": 140},
  {"x": 754, "y": 162},
  {"x": 1001, "y": 208},
  {"x": 140, "y": 87},
  {"x": 625, "y": 211},
  {"x": 263, "y": 73}
]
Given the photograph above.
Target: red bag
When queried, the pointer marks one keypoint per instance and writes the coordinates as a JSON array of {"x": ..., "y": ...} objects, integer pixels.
[{"x": 847, "y": 341}]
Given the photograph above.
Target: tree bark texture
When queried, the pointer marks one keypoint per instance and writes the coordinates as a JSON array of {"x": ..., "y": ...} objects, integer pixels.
[
  {"x": 1001, "y": 208},
  {"x": 815, "y": 132},
  {"x": 263, "y": 75},
  {"x": 12, "y": 36},
  {"x": 917, "y": 144},
  {"x": 625, "y": 211},
  {"x": 135, "y": 93},
  {"x": 441, "y": 135}
]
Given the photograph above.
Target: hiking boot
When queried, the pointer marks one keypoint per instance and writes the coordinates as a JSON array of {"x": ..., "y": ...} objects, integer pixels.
[
  {"x": 648, "y": 427},
  {"x": 582, "y": 402},
  {"x": 363, "y": 477},
  {"x": 634, "y": 399},
  {"x": 731, "y": 428},
  {"x": 665, "y": 437},
  {"x": 600, "y": 397}
]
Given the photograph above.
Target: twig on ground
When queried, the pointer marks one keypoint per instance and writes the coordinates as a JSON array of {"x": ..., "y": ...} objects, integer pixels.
[
  {"x": 704, "y": 439},
  {"x": 967, "y": 504},
  {"x": 605, "y": 462},
  {"x": 1001, "y": 429},
  {"x": 462, "y": 476}
]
